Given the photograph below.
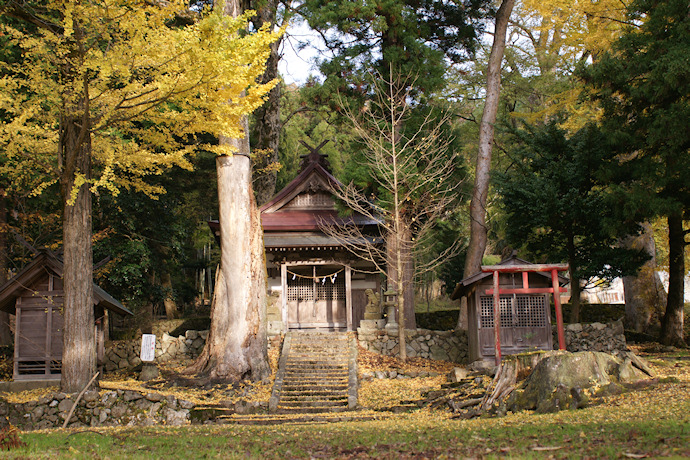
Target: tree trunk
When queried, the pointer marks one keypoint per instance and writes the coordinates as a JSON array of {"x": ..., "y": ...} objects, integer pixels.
[
  {"x": 5, "y": 332},
  {"x": 403, "y": 285},
  {"x": 575, "y": 290},
  {"x": 79, "y": 349},
  {"x": 477, "y": 245},
  {"x": 575, "y": 294},
  {"x": 236, "y": 346},
  {"x": 672, "y": 323},
  {"x": 400, "y": 289},
  {"x": 266, "y": 130},
  {"x": 642, "y": 293},
  {"x": 171, "y": 311}
]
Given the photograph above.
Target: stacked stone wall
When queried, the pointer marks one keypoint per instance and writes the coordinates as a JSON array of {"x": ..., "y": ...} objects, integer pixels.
[
  {"x": 105, "y": 408},
  {"x": 593, "y": 337},
  {"x": 124, "y": 354},
  {"x": 423, "y": 343}
]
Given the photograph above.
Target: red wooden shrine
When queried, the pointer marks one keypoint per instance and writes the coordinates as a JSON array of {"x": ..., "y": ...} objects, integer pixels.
[{"x": 524, "y": 270}]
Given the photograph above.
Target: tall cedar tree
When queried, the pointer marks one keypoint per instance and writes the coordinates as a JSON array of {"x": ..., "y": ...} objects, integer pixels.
[
  {"x": 643, "y": 85},
  {"x": 236, "y": 347},
  {"x": 557, "y": 209},
  {"x": 412, "y": 39},
  {"x": 111, "y": 88}
]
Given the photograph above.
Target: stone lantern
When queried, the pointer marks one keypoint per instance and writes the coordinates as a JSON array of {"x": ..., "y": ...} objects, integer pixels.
[{"x": 391, "y": 304}]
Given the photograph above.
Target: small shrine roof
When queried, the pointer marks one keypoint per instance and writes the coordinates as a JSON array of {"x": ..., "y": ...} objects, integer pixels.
[{"x": 465, "y": 285}]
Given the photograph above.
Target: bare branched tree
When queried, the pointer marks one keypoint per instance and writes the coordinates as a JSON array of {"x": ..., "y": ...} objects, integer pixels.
[{"x": 415, "y": 188}]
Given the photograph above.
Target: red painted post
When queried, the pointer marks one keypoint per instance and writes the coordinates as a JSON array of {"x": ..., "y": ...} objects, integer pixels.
[
  {"x": 525, "y": 280},
  {"x": 559, "y": 313},
  {"x": 497, "y": 319}
]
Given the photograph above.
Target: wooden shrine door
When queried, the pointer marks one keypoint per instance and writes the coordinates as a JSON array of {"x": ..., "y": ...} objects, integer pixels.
[
  {"x": 316, "y": 297},
  {"x": 525, "y": 323}
]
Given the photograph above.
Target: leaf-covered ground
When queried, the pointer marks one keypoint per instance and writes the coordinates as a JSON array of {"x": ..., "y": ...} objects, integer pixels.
[{"x": 653, "y": 422}]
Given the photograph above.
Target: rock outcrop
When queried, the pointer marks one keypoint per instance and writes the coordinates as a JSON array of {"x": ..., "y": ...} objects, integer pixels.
[{"x": 564, "y": 380}]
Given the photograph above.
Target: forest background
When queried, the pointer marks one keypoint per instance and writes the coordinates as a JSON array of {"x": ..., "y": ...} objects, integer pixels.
[{"x": 604, "y": 194}]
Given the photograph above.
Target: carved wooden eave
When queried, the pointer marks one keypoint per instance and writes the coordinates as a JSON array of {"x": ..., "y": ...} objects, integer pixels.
[{"x": 47, "y": 262}]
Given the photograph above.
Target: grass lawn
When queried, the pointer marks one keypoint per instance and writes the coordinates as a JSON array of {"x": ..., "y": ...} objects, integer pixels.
[
  {"x": 652, "y": 427},
  {"x": 653, "y": 422}
]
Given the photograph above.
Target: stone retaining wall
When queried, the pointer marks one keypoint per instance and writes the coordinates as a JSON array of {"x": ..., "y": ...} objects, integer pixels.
[
  {"x": 593, "y": 337},
  {"x": 105, "y": 408},
  {"x": 424, "y": 343},
  {"x": 124, "y": 354},
  {"x": 438, "y": 345}
]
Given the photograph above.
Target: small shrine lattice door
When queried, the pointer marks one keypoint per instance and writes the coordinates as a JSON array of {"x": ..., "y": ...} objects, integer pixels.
[
  {"x": 525, "y": 322},
  {"x": 316, "y": 297}
]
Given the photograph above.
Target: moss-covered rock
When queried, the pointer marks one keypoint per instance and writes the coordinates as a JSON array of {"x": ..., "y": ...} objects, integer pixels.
[{"x": 558, "y": 381}]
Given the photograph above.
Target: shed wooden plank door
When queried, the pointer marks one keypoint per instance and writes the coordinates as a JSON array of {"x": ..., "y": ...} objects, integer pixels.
[
  {"x": 39, "y": 340},
  {"x": 316, "y": 297},
  {"x": 525, "y": 323}
]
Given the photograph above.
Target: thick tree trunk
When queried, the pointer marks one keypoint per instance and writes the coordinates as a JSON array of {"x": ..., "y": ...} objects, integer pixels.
[
  {"x": 79, "y": 349},
  {"x": 575, "y": 294},
  {"x": 5, "y": 332},
  {"x": 236, "y": 346},
  {"x": 171, "y": 311},
  {"x": 575, "y": 290},
  {"x": 266, "y": 130},
  {"x": 644, "y": 292},
  {"x": 478, "y": 231},
  {"x": 672, "y": 323}
]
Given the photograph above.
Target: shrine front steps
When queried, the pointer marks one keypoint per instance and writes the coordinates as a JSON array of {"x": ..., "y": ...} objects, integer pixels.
[{"x": 317, "y": 373}]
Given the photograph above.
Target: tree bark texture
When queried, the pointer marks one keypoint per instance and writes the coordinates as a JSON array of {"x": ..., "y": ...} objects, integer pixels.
[
  {"x": 672, "y": 322},
  {"x": 236, "y": 346},
  {"x": 575, "y": 289},
  {"x": 644, "y": 292},
  {"x": 406, "y": 280},
  {"x": 79, "y": 345},
  {"x": 171, "y": 311},
  {"x": 266, "y": 130},
  {"x": 478, "y": 231}
]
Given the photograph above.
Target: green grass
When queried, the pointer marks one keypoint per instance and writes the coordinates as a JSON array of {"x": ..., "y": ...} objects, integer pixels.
[
  {"x": 626, "y": 426},
  {"x": 653, "y": 422}
]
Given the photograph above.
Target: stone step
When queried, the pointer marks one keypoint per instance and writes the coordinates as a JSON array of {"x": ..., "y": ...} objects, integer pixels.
[
  {"x": 315, "y": 379},
  {"x": 309, "y": 410},
  {"x": 311, "y": 384},
  {"x": 316, "y": 363},
  {"x": 321, "y": 403},
  {"x": 308, "y": 398},
  {"x": 313, "y": 370},
  {"x": 314, "y": 374},
  {"x": 287, "y": 418},
  {"x": 321, "y": 391}
]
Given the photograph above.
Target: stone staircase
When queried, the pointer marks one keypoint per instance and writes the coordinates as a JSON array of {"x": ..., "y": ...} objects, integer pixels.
[{"x": 317, "y": 372}]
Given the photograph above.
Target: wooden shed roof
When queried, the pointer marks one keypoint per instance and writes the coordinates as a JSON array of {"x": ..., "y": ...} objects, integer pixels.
[
  {"x": 464, "y": 286},
  {"x": 48, "y": 261}
]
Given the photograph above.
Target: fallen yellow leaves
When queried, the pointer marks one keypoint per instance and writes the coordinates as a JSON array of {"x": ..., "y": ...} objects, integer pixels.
[{"x": 382, "y": 393}]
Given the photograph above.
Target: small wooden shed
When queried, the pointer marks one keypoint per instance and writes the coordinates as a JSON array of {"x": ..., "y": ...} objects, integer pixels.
[
  {"x": 35, "y": 297},
  {"x": 525, "y": 314}
]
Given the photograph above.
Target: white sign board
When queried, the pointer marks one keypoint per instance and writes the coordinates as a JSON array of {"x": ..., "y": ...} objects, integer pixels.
[{"x": 148, "y": 347}]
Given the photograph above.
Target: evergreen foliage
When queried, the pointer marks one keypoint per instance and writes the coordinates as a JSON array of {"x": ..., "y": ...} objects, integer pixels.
[
  {"x": 557, "y": 209},
  {"x": 643, "y": 86}
]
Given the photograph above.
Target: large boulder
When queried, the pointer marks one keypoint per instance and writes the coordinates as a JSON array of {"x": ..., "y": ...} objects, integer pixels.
[{"x": 566, "y": 380}]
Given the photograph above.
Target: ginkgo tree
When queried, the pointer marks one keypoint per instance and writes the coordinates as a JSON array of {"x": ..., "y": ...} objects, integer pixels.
[{"x": 117, "y": 90}]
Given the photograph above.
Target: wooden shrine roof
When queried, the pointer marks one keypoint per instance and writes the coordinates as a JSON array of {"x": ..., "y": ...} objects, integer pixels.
[
  {"x": 44, "y": 262},
  {"x": 284, "y": 212},
  {"x": 465, "y": 285}
]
